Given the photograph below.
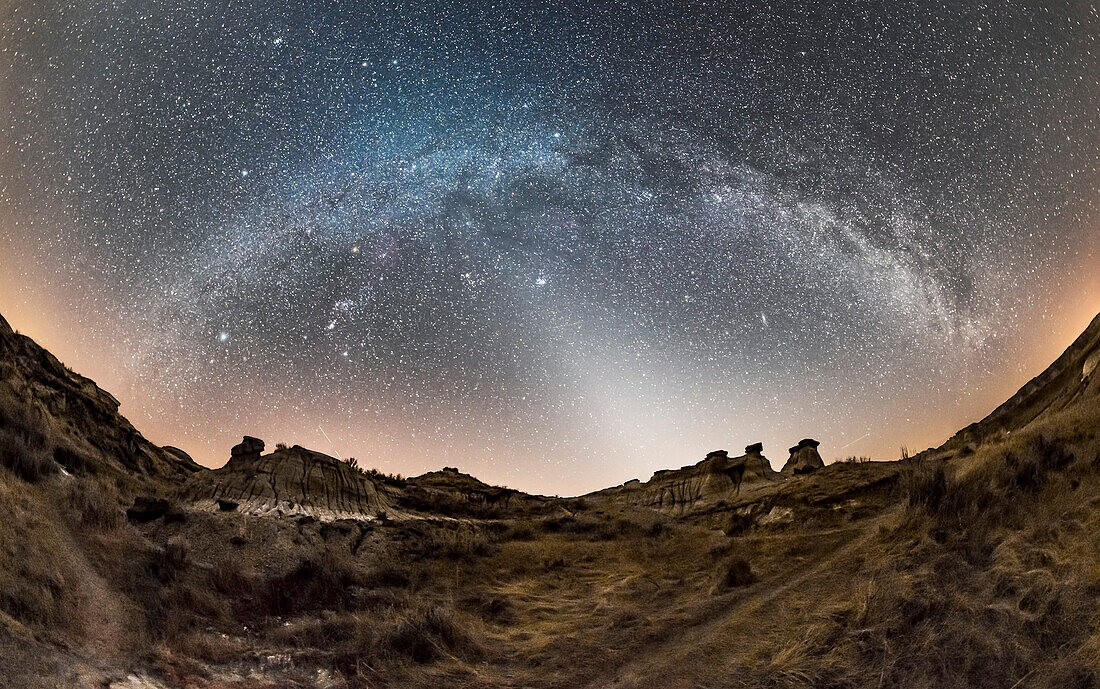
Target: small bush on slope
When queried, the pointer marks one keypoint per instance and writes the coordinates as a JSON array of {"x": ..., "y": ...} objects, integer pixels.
[
  {"x": 95, "y": 505},
  {"x": 322, "y": 582},
  {"x": 734, "y": 572}
]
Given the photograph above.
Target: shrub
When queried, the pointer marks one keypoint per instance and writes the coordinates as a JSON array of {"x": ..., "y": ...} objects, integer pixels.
[
  {"x": 16, "y": 421},
  {"x": 35, "y": 601},
  {"x": 387, "y": 575},
  {"x": 494, "y": 609},
  {"x": 1030, "y": 471},
  {"x": 74, "y": 462},
  {"x": 460, "y": 546},
  {"x": 167, "y": 563},
  {"x": 426, "y": 633},
  {"x": 227, "y": 576},
  {"x": 325, "y": 581},
  {"x": 925, "y": 486},
  {"x": 654, "y": 529},
  {"x": 23, "y": 443},
  {"x": 376, "y": 475},
  {"x": 422, "y": 633},
  {"x": 521, "y": 532},
  {"x": 593, "y": 529},
  {"x": 991, "y": 491},
  {"x": 445, "y": 504},
  {"x": 734, "y": 573},
  {"x": 739, "y": 523}
]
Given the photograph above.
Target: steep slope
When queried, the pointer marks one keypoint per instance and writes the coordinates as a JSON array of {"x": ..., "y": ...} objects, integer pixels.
[{"x": 57, "y": 419}]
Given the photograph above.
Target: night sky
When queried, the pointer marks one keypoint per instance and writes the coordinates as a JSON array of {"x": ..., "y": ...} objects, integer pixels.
[{"x": 557, "y": 246}]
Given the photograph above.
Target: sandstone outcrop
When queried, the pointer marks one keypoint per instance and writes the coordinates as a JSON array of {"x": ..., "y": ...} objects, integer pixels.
[
  {"x": 756, "y": 465},
  {"x": 248, "y": 449},
  {"x": 717, "y": 478}
]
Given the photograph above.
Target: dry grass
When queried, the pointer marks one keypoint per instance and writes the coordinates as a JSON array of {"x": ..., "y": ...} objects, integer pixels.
[
  {"x": 983, "y": 581},
  {"x": 94, "y": 504},
  {"x": 324, "y": 581},
  {"x": 24, "y": 444},
  {"x": 358, "y": 643},
  {"x": 38, "y": 576},
  {"x": 979, "y": 571}
]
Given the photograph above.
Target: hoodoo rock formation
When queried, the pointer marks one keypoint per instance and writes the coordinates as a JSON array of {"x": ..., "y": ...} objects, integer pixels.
[
  {"x": 248, "y": 449},
  {"x": 289, "y": 481},
  {"x": 804, "y": 458},
  {"x": 193, "y": 574},
  {"x": 717, "y": 477},
  {"x": 756, "y": 464}
]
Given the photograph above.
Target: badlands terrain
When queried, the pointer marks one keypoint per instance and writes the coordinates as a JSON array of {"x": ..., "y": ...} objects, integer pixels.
[{"x": 128, "y": 565}]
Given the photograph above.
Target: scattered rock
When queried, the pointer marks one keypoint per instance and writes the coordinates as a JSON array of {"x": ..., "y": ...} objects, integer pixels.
[
  {"x": 134, "y": 682},
  {"x": 146, "y": 509}
]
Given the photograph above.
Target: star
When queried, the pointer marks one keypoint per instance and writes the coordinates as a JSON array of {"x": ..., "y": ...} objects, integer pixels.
[{"x": 674, "y": 186}]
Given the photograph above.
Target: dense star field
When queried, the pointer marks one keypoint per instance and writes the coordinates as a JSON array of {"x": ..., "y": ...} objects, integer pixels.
[{"x": 557, "y": 246}]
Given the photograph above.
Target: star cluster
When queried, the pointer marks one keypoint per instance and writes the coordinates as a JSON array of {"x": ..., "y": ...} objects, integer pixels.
[{"x": 558, "y": 245}]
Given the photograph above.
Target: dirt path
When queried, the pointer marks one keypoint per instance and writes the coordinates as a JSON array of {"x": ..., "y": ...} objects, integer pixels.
[{"x": 107, "y": 622}]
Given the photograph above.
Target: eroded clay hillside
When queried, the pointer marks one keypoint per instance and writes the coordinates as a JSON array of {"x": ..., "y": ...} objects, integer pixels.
[{"x": 126, "y": 565}]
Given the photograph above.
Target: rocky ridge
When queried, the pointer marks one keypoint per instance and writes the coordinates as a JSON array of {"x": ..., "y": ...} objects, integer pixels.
[
  {"x": 71, "y": 422},
  {"x": 1070, "y": 381}
]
